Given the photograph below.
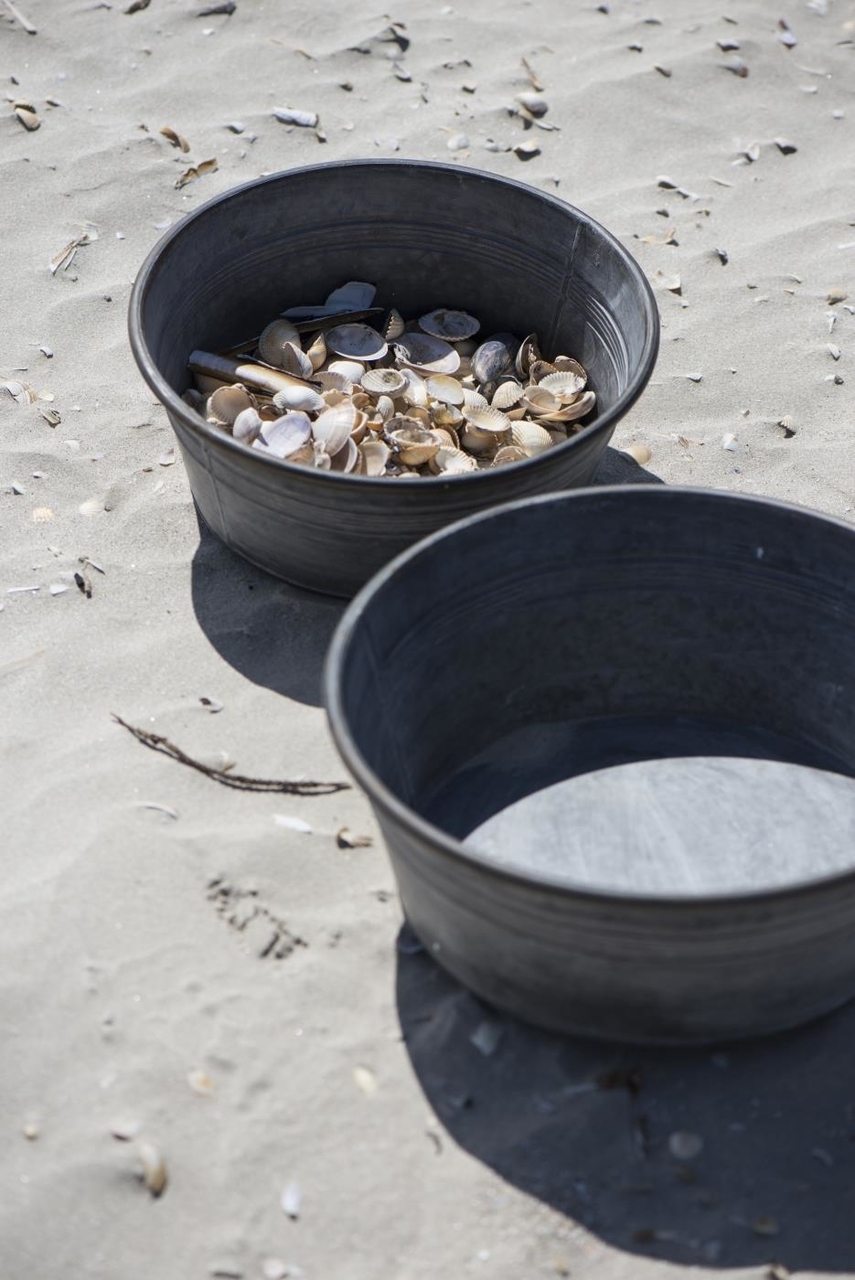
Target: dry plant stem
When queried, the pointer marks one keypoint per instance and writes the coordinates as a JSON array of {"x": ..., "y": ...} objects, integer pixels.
[
  {"x": 19, "y": 17},
  {"x": 239, "y": 783},
  {"x": 254, "y": 376}
]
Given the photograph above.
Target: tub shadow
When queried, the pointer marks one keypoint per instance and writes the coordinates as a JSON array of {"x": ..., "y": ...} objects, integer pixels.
[
  {"x": 619, "y": 468},
  {"x": 277, "y": 634},
  {"x": 585, "y": 1127},
  {"x": 273, "y": 633}
]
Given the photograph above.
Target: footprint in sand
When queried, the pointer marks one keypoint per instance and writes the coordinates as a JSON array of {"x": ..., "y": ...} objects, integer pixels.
[{"x": 263, "y": 932}]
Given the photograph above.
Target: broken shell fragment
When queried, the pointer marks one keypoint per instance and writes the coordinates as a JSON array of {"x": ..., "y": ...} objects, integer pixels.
[
  {"x": 394, "y": 325},
  {"x": 413, "y": 444},
  {"x": 452, "y": 326},
  {"x": 152, "y": 1168},
  {"x": 357, "y": 341}
]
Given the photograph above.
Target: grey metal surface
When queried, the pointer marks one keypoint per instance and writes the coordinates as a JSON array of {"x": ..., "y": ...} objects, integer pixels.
[
  {"x": 426, "y": 235},
  {"x": 584, "y": 616}
]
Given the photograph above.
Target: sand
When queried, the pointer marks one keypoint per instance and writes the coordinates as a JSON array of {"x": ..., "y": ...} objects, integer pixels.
[{"x": 344, "y": 1065}]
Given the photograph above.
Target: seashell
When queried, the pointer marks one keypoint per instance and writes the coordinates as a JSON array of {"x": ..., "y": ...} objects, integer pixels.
[
  {"x": 333, "y": 382},
  {"x": 385, "y": 408},
  {"x": 451, "y": 462},
  {"x": 273, "y": 340},
  {"x": 489, "y": 419},
  {"x": 415, "y": 391},
  {"x": 247, "y": 425},
  {"x": 286, "y": 435},
  {"x": 527, "y": 354},
  {"x": 292, "y": 359},
  {"x": 507, "y": 454},
  {"x": 448, "y": 436},
  {"x": 474, "y": 400},
  {"x": 413, "y": 445},
  {"x": 537, "y": 400},
  {"x": 639, "y": 453},
  {"x": 446, "y": 389},
  {"x": 565, "y": 384},
  {"x": 452, "y": 326},
  {"x": 362, "y": 400},
  {"x": 152, "y": 1168},
  {"x": 494, "y": 357},
  {"x": 383, "y": 382},
  {"x": 422, "y": 351},
  {"x": 357, "y": 341},
  {"x": 350, "y": 369},
  {"x": 332, "y": 428},
  {"x": 375, "y": 455},
  {"x": 317, "y": 352},
  {"x": 477, "y": 441},
  {"x": 518, "y": 411},
  {"x": 576, "y": 409},
  {"x": 360, "y": 427},
  {"x": 304, "y": 457},
  {"x": 322, "y": 460},
  {"x": 566, "y": 364},
  {"x": 418, "y": 414},
  {"x": 445, "y": 415},
  {"x": 346, "y": 458},
  {"x": 540, "y": 369},
  {"x": 507, "y": 394},
  {"x": 534, "y": 103},
  {"x": 530, "y": 437},
  {"x": 226, "y": 403},
  {"x": 299, "y": 398},
  {"x": 356, "y": 295},
  {"x": 394, "y": 325}
]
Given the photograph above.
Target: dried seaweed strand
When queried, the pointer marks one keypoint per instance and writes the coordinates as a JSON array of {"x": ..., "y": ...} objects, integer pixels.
[{"x": 281, "y": 786}]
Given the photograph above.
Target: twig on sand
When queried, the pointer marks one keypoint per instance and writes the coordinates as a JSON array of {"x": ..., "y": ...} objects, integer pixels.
[
  {"x": 15, "y": 12},
  {"x": 281, "y": 786}
]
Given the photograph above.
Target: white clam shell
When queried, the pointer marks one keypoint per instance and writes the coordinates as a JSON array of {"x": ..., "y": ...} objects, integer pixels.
[
  {"x": 449, "y": 461},
  {"x": 292, "y": 359},
  {"x": 507, "y": 394},
  {"x": 383, "y": 382},
  {"x": 273, "y": 339},
  {"x": 474, "y": 400},
  {"x": 385, "y": 408},
  {"x": 415, "y": 392},
  {"x": 286, "y": 435},
  {"x": 299, "y": 398},
  {"x": 332, "y": 428},
  {"x": 489, "y": 419},
  {"x": 317, "y": 351},
  {"x": 422, "y": 351},
  {"x": 247, "y": 425},
  {"x": 394, "y": 325},
  {"x": 442, "y": 387},
  {"x": 539, "y": 400},
  {"x": 333, "y": 382},
  {"x": 350, "y": 369},
  {"x": 355, "y": 295},
  {"x": 452, "y": 326},
  {"x": 356, "y": 341},
  {"x": 565, "y": 384},
  {"x": 226, "y": 403},
  {"x": 531, "y": 438}
]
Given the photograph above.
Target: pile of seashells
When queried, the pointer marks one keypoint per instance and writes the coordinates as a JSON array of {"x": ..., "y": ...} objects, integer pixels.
[{"x": 390, "y": 398}]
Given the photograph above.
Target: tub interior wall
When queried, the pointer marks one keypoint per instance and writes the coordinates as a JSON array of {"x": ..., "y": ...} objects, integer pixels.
[{"x": 508, "y": 257}]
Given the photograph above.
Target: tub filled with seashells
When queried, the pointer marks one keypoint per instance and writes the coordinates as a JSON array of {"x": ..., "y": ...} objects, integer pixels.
[
  {"x": 423, "y": 398},
  {"x": 353, "y": 355}
]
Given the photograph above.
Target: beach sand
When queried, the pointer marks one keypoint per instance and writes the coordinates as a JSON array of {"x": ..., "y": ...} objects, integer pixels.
[{"x": 340, "y": 1072}]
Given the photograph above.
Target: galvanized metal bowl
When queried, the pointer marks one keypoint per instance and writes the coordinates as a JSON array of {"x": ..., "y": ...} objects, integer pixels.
[
  {"x": 427, "y": 235},
  {"x": 529, "y": 652}
]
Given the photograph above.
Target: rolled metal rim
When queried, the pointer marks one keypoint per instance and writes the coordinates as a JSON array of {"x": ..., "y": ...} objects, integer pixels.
[
  {"x": 177, "y": 408},
  {"x": 450, "y": 847}
]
